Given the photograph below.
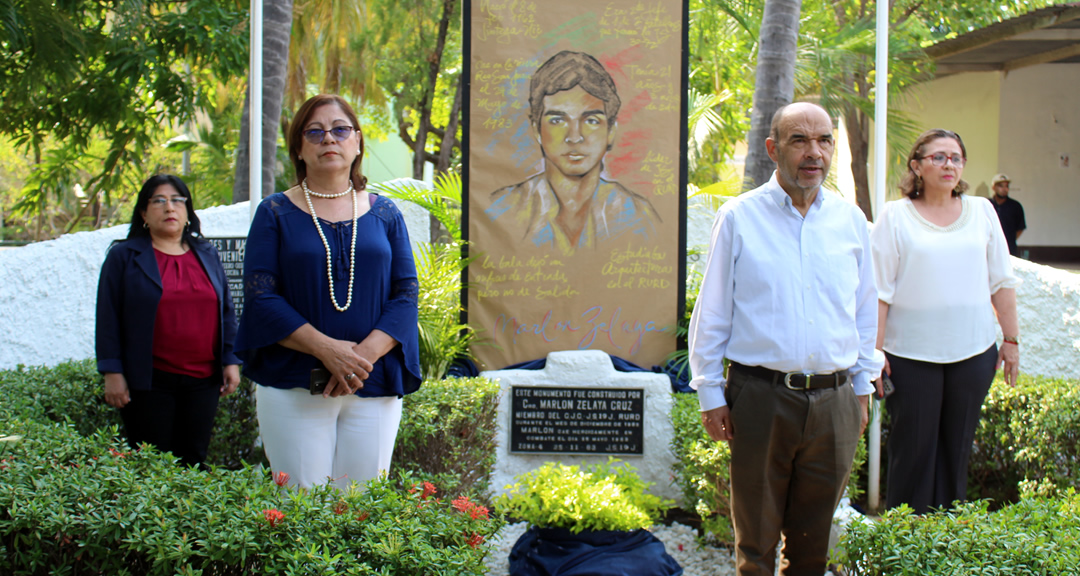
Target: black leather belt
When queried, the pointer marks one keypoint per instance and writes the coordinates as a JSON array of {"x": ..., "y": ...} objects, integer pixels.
[{"x": 793, "y": 380}]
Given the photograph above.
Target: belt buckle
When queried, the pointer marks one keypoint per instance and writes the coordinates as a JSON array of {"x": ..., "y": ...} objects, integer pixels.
[{"x": 787, "y": 380}]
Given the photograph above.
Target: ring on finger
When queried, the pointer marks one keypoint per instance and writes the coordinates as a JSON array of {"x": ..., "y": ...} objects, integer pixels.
[{"x": 350, "y": 376}]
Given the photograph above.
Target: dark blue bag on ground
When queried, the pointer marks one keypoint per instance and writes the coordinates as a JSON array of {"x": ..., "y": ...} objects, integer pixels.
[{"x": 558, "y": 552}]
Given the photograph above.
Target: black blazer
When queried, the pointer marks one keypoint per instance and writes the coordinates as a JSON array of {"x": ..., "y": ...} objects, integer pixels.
[{"x": 129, "y": 291}]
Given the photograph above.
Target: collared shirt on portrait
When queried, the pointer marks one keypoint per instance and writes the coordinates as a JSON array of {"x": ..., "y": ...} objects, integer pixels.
[
  {"x": 530, "y": 209},
  {"x": 787, "y": 292}
]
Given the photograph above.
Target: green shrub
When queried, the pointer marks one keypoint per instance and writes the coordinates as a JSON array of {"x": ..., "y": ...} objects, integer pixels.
[
  {"x": 702, "y": 468},
  {"x": 598, "y": 497},
  {"x": 1037, "y": 535},
  {"x": 74, "y": 391},
  {"x": 71, "y": 504},
  {"x": 447, "y": 434},
  {"x": 1030, "y": 432},
  {"x": 447, "y": 431}
]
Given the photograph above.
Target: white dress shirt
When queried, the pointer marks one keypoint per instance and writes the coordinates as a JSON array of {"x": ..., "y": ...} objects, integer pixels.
[
  {"x": 937, "y": 280},
  {"x": 787, "y": 292}
]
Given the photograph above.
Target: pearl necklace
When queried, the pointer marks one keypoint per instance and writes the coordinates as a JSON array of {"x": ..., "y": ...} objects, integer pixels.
[
  {"x": 352, "y": 248},
  {"x": 307, "y": 190}
]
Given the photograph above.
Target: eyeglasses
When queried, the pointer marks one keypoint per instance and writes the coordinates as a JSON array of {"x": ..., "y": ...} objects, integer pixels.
[
  {"x": 939, "y": 159},
  {"x": 316, "y": 135},
  {"x": 161, "y": 201}
]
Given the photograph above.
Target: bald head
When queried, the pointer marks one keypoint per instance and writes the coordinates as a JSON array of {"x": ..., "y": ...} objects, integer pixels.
[
  {"x": 793, "y": 108},
  {"x": 801, "y": 144}
]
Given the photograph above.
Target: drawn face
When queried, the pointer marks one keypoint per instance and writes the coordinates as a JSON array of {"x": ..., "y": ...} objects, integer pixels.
[
  {"x": 574, "y": 132},
  {"x": 803, "y": 151},
  {"x": 166, "y": 213},
  {"x": 330, "y": 154},
  {"x": 946, "y": 176}
]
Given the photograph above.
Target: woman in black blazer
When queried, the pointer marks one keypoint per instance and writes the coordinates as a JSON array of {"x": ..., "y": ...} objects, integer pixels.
[{"x": 166, "y": 325}]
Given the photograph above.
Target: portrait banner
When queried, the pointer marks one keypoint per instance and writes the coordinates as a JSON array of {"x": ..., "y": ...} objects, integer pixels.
[{"x": 575, "y": 177}]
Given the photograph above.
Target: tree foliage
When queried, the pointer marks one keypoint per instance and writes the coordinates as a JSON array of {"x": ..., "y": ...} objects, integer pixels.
[{"x": 74, "y": 73}]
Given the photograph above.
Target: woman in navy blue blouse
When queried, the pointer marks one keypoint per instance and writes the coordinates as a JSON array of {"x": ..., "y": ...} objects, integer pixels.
[{"x": 329, "y": 283}]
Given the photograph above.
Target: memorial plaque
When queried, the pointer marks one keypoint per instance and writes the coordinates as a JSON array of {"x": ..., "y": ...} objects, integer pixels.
[
  {"x": 577, "y": 420},
  {"x": 231, "y": 252}
]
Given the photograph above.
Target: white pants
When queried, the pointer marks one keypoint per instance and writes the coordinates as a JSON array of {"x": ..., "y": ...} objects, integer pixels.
[{"x": 345, "y": 439}]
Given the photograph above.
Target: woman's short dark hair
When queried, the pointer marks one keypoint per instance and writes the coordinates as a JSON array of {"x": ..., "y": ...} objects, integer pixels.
[
  {"x": 911, "y": 185},
  {"x": 295, "y": 136},
  {"x": 192, "y": 232}
]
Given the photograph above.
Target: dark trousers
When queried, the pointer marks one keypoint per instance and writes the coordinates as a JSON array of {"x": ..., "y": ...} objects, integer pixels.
[
  {"x": 933, "y": 415},
  {"x": 176, "y": 415},
  {"x": 790, "y": 459}
]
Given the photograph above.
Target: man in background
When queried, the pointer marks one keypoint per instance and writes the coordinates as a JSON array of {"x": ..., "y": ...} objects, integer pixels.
[{"x": 1009, "y": 211}]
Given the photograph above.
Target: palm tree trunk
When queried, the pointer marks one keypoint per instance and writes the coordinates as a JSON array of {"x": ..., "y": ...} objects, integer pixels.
[
  {"x": 277, "y": 23},
  {"x": 774, "y": 83}
]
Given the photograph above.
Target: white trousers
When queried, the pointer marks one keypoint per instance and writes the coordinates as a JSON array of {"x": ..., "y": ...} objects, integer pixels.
[{"x": 345, "y": 439}]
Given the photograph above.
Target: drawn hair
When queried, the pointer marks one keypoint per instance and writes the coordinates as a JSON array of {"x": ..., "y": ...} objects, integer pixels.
[
  {"x": 566, "y": 70},
  {"x": 295, "y": 135},
  {"x": 911, "y": 185}
]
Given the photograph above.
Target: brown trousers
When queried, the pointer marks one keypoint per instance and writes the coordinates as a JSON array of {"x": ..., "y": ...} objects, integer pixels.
[{"x": 790, "y": 459}]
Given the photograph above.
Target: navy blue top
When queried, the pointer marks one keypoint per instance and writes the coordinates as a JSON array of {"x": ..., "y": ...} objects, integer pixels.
[
  {"x": 285, "y": 287},
  {"x": 129, "y": 291}
]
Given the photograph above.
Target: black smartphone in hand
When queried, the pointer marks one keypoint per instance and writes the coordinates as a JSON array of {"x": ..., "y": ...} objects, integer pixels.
[
  {"x": 887, "y": 387},
  {"x": 320, "y": 377}
]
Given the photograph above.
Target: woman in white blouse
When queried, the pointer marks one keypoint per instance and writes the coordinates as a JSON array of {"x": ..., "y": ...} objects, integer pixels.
[{"x": 943, "y": 273}]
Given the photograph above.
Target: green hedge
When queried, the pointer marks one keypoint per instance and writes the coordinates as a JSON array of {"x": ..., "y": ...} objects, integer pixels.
[
  {"x": 1030, "y": 432},
  {"x": 447, "y": 434},
  {"x": 75, "y": 499},
  {"x": 75, "y": 392},
  {"x": 447, "y": 430},
  {"x": 1035, "y": 536},
  {"x": 71, "y": 504},
  {"x": 701, "y": 469}
]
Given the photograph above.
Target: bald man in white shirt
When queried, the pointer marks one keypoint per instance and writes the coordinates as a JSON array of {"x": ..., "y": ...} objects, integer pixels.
[{"x": 788, "y": 298}]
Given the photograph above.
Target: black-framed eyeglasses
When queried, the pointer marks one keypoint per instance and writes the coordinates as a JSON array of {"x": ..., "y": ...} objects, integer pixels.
[
  {"x": 940, "y": 158},
  {"x": 161, "y": 201},
  {"x": 316, "y": 135}
]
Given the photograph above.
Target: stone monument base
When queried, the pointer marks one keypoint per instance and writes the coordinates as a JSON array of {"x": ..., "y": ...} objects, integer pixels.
[{"x": 590, "y": 369}]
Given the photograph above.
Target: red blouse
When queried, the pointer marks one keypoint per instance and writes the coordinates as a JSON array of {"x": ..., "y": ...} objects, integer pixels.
[{"x": 186, "y": 328}]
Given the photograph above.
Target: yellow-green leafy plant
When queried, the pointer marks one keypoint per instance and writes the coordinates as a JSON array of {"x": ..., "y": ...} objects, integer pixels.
[{"x": 603, "y": 496}]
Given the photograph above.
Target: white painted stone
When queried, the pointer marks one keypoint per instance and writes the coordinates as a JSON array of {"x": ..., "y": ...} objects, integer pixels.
[
  {"x": 585, "y": 368},
  {"x": 1048, "y": 306},
  {"x": 48, "y": 290}
]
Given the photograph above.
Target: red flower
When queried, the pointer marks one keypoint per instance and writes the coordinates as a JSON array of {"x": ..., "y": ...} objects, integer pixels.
[
  {"x": 429, "y": 489},
  {"x": 462, "y": 504},
  {"x": 477, "y": 512},
  {"x": 281, "y": 479},
  {"x": 363, "y": 516},
  {"x": 475, "y": 540},
  {"x": 117, "y": 453},
  {"x": 341, "y": 507},
  {"x": 680, "y": 548},
  {"x": 273, "y": 516}
]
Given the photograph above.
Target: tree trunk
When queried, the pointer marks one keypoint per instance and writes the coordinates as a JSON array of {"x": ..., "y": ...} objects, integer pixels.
[
  {"x": 277, "y": 23},
  {"x": 774, "y": 83},
  {"x": 858, "y": 127}
]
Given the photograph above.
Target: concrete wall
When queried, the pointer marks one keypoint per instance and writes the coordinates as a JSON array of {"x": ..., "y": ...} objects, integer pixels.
[
  {"x": 48, "y": 290},
  {"x": 1040, "y": 123}
]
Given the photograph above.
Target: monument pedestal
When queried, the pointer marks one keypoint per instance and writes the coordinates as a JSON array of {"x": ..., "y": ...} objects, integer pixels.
[{"x": 579, "y": 410}]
